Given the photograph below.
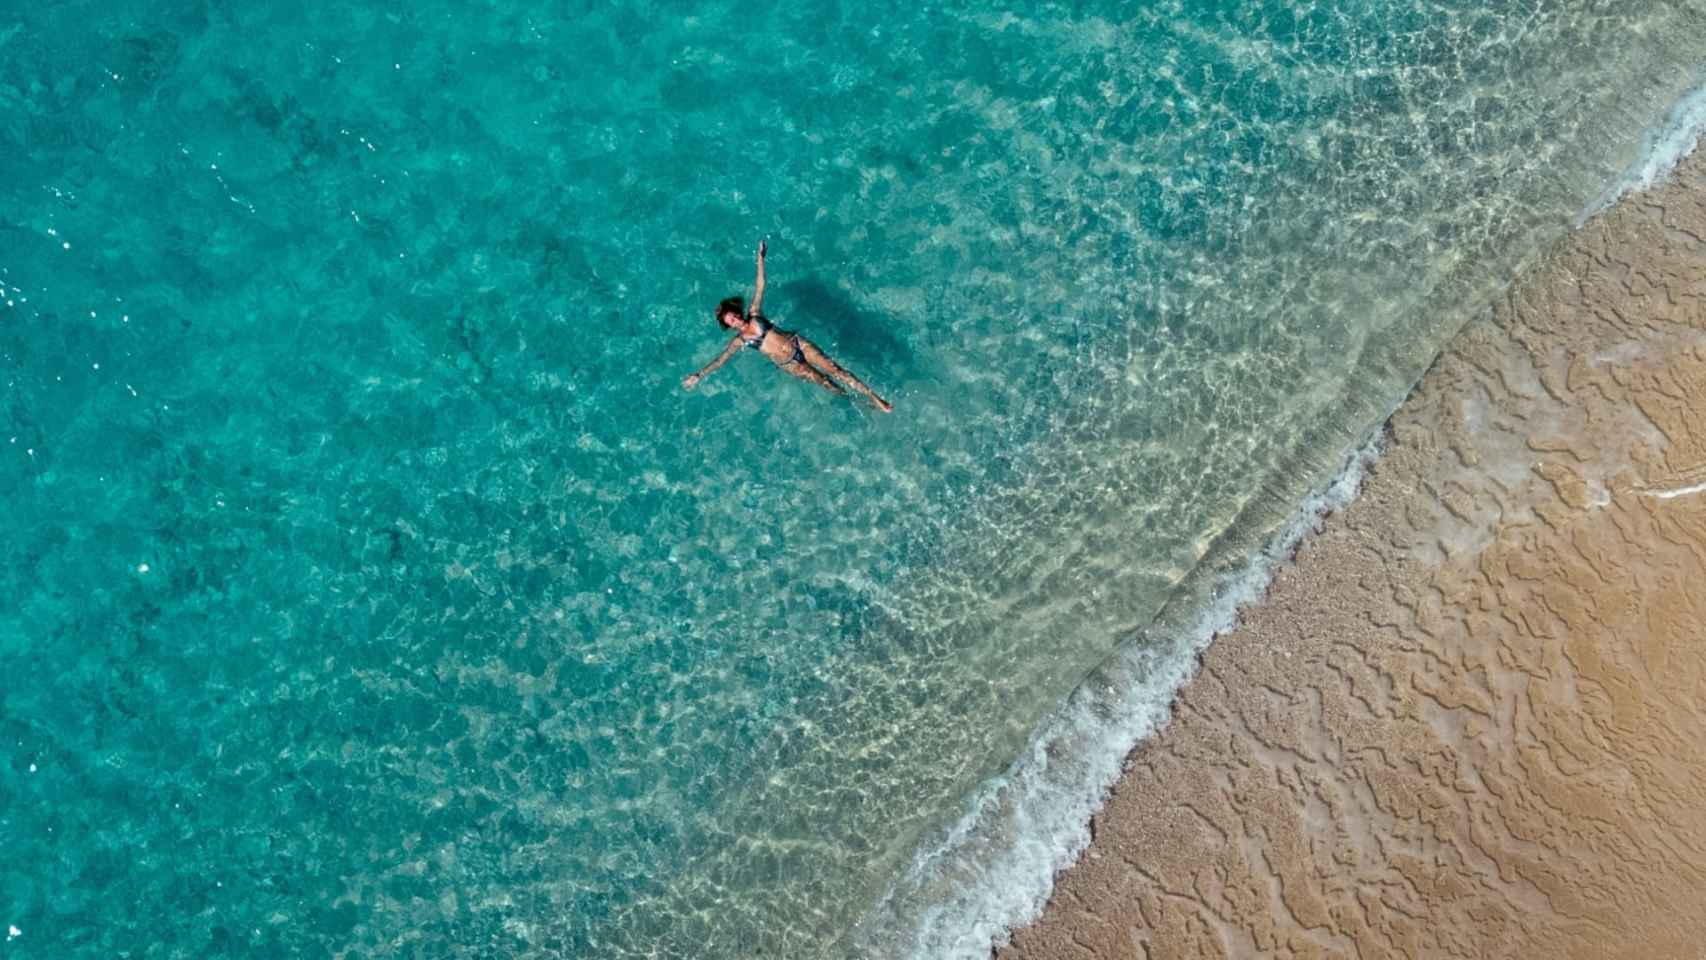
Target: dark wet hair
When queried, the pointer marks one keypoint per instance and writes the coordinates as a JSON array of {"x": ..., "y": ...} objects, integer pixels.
[{"x": 734, "y": 305}]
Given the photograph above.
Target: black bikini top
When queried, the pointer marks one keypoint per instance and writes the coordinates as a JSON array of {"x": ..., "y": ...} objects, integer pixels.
[{"x": 763, "y": 331}]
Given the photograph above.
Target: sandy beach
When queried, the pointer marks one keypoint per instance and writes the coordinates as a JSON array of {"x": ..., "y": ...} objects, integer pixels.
[{"x": 1469, "y": 720}]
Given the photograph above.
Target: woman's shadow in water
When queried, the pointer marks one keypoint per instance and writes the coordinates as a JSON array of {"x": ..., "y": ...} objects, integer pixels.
[{"x": 828, "y": 317}]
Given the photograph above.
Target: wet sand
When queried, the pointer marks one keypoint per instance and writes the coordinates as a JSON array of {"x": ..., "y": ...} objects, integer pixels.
[{"x": 1470, "y": 719}]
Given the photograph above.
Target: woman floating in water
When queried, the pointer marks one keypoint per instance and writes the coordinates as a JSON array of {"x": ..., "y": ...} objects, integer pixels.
[{"x": 790, "y": 351}]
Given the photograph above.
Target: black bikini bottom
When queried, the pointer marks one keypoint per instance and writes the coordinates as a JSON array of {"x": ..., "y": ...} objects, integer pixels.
[{"x": 799, "y": 354}]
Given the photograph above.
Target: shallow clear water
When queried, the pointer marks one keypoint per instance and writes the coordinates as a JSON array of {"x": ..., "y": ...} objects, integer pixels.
[{"x": 371, "y": 583}]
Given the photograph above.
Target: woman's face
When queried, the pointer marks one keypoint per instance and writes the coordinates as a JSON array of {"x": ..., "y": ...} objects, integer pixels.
[{"x": 730, "y": 319}]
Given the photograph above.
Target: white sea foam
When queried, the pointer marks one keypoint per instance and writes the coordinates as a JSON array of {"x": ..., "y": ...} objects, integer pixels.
[
  {"x": 1678, "y": 492},
  {"x": 1662, "y": 148},
  {"x": 993, "y": 869}
]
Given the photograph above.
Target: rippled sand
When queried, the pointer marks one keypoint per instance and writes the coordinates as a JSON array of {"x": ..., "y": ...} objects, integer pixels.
[{"x": 1470, "y": 719}]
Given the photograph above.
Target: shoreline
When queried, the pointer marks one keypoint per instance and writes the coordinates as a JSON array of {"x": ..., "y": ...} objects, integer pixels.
[
  {"x": 995, "y": 870},
  {"x": 1419, "y": 740},
  {"x": 1041, "y": 809}
]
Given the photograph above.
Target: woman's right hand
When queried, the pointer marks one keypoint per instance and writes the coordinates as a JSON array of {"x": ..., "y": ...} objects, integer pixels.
[{"x": 690, "y": 381}]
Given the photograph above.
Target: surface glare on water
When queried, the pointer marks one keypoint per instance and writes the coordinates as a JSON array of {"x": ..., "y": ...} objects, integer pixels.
[{"x": 372, "y": 585}]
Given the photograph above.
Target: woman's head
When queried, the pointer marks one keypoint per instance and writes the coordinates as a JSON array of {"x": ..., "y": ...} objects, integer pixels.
[{"x": 731, "y": 312}]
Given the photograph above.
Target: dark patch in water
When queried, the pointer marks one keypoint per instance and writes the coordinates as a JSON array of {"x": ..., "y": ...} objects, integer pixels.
[{"x": 828, "y": 316}]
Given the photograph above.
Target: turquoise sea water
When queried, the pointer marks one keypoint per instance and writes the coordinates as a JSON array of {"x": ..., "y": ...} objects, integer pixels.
[{"x": 371, "y": 587}]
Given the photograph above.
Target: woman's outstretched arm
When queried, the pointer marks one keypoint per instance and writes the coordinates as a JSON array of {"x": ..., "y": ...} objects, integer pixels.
[
  {"x": 692, "y": 379},
  {"x": 758, "y": 295}
]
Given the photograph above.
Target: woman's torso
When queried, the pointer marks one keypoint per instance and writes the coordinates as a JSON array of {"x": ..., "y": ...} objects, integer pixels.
[{"x": 772, "y": 341}]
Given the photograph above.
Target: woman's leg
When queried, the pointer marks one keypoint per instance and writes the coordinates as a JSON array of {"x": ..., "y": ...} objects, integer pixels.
[
  {"x": 806, "y": 371},
  {"x": 819, "y": 359}
]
